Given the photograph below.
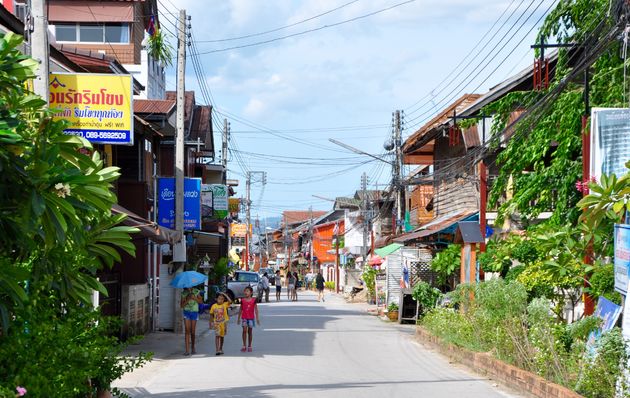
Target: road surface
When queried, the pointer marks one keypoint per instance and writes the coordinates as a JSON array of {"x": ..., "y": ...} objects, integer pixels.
[{"x": 306, "y": 349}]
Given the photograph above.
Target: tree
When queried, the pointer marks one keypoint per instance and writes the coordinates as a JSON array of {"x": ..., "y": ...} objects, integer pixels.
[{"x": 58, "y": 231}]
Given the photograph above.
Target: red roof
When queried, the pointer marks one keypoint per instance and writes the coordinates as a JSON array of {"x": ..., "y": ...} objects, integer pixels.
[
  {"x": 300, "y": 216},
  {"x": 189, "y": 103},
  {"x": 154, "y": 106}
]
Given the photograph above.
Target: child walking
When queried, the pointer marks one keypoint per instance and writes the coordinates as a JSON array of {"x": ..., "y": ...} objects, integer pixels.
[
  {"x": 219, "y": 319},
  {"x": 249, "y": 315}
]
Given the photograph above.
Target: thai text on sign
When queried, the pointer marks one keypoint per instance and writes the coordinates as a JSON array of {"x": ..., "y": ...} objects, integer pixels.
[{"x": 97, "y": 107}]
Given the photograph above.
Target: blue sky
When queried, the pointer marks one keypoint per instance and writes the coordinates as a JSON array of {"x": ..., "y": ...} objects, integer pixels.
[{"x": 286, "y": 98}]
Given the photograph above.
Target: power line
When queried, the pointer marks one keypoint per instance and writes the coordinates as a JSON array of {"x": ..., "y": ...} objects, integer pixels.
[
  {"x": 309, "y": 30},
  {"x": 280, "y": 28}
]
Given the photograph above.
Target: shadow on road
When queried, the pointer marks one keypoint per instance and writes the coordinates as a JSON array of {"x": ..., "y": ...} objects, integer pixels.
[{"x": 265, "y": 391}]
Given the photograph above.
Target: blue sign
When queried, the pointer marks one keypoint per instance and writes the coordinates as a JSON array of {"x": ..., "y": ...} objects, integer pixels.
[
  {"x": 622, "y": 257},
  {"x": 192, "y": 202},
  {"x": 114, "y": 137},
  {"x": 609, "y": 313}
]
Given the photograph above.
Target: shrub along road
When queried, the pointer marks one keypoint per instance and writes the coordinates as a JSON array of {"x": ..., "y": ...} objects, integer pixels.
[{"x": 305, "y": 348}]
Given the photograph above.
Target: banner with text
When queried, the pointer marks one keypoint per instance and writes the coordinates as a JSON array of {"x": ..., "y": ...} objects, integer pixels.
[
  {"x": 98, "y": 107},
  {"x": 192, "y": 202},
  {"x": 610, "y": 141},
  {"x": 214, "y": 201},
  {"x": 622, "y": 257}
]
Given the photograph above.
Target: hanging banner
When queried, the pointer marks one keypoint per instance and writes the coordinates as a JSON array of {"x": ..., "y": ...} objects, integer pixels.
[
  {"x": 192, "y": 203},
  {"x": 98, "y": 107},
  {"x": 622, "y": 257},
  {"x": 214, "y": 201},
  {"x": 610, "y": 141}
]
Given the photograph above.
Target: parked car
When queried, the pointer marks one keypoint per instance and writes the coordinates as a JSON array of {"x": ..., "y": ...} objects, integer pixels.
[
  {"x": 241, "y": 279},
  {"x": 270, "y": 275}
]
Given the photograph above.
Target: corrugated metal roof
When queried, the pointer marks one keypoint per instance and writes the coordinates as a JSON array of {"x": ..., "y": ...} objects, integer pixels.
[
  {"x": 144, "y": 106},
  {"x": 435, "y": 226}
]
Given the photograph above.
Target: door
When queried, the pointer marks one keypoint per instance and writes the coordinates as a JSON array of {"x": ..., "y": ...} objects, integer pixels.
[{"x": 165, "y": 299}]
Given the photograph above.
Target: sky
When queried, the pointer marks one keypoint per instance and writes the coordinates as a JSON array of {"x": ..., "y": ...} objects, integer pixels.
[{"x": 345, "y": 68}]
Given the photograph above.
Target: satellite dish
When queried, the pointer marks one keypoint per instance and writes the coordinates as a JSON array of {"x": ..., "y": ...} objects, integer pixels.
[{"x": 388, "y": 145}]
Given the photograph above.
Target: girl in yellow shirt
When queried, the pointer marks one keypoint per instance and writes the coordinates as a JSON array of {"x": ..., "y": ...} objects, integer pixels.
[{"x": 218, "y": 320}]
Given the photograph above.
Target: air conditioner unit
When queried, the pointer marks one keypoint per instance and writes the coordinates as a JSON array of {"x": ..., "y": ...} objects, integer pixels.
[{"x": 135, "y": 309}]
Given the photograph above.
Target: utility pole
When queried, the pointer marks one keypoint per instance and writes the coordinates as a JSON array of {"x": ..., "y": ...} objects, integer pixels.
[
  {"x": 39, "y": 46},
  {"x": 179, "y": 248},
  {"x": 312, "y": 240},
  {"x": 224, "y": 145},
  {"x": 337, "y": 257},
  {"x": 397, "y": 169},
  {"x": 248, "y": 221},
  {"x": 364, "y": 207}
]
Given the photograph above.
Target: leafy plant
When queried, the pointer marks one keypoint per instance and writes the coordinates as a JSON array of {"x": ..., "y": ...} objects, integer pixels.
[
  {"x": 369, "y": 277},
  {"x": 446, "y": 262},
  {"x": 392, "y": 307},
  {"x": 159, "y": 48},
  {"x": 330, "y": 285},
  {"x": 426, "y": 295}
]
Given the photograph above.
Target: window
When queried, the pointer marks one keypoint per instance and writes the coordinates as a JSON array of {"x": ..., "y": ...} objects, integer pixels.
[
  {"x": 247, "y": 277},
  {"x": 66, "y": 32},
  {"x": 116, "y": 33},
  {"x": 91, "y": 33}
]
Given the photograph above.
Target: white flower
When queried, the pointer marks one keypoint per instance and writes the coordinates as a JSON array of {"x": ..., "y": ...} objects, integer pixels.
[{"x": 62, "y": 190}]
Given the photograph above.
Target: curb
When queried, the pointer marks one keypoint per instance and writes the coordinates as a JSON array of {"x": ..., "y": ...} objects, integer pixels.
[{"x": 519, "y": 379}]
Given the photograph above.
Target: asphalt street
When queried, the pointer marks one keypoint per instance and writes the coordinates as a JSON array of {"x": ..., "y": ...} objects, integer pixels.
[{"x": 305, "y": 349}]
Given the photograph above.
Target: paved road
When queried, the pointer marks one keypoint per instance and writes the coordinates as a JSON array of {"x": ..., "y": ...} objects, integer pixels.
[{"x": 307, "y": 349}]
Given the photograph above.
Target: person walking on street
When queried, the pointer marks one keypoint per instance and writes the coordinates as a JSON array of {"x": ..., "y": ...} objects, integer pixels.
[
  {"x": 319, "y": 284},
  {"x": 297, "y": 281},
  {"x": 190, "y": 305},
  {"x": 290, "y": 286},
  {"x": 278, "y": 283},
  {"x": 265, "y": 286},
  {"x": 249, "y": 315},
  {"x": 219, "y": 319}
]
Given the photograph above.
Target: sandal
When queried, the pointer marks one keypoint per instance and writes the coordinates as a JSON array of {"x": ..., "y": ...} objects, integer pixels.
[
  {"x": 249, "y": 349},
  {"x": 186, "y": 353},
  {"x": 243, "y": 349}
]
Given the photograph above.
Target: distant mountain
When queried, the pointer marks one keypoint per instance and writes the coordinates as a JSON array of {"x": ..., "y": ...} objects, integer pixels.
[{"x": 269, "y": 222}]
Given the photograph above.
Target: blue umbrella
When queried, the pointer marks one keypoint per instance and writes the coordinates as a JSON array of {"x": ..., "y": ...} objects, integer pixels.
[{"x": 188, "y": 279}]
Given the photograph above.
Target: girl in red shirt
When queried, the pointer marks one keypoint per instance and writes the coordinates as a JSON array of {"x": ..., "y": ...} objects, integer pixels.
[{"x": 249, "y": 315}]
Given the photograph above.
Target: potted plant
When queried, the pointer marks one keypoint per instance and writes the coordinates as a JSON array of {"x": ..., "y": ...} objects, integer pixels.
[{"x": 392, "y": 311}]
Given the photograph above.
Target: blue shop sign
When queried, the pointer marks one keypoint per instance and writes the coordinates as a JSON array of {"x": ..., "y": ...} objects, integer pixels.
[{"x": 192, "y": 203}]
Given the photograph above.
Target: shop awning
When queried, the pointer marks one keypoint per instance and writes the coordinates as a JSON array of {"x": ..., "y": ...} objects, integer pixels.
[
  {"x": 441, "y": 224},
  {"x": 148, "y": 229},
  {"x": 387, "y": 250}
]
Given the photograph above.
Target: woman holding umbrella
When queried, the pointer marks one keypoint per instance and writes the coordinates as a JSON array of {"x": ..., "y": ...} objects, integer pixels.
[{"x": 191, "y": 298}]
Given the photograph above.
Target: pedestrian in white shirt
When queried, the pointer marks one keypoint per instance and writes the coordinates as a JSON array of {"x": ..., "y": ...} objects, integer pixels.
[{"x": 265, "y": 286}]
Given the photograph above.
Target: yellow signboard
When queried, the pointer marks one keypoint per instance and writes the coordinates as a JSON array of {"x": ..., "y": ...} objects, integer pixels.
[
  {"x": 238, "y": 230},
  {"x": 98, "y": 107}
]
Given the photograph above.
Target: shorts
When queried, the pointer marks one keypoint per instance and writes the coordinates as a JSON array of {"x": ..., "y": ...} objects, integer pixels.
[
  {"x": 278, "y": 289},
  {"x": 191, "y": 315},
  {"x": 219, "y": 329},
  {"x": 291, "y": 287},
  {"x": 249, "y": 323},
  {"x": 320, "y": 289}
]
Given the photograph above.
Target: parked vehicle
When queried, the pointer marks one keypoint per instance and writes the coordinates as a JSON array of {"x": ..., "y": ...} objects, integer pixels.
[
  {"x": 241, "y": 279},
  {"x": 270, "y": 275}
]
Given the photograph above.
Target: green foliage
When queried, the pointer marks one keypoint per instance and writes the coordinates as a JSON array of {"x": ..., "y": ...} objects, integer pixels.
[
  {"x": 330, "y": 285},
  {"x": 369, "y": 277},
  {"x": 220, "y": 270},
  {"x": 604, "y": 372},
  {"x": 426, "y": 295},
  {"x": 392, "y": 307},
  {"x": 67, "y": 354},
  {"x": 57, "y": 233},
  {"x": 495, "y": 317},
  {"x": 602, "y": 283},
  {"x": 543, "y": 164},
  {"x": 446, "y": 262},
  {"x": 159, "y": 49},
  {"x": 500, "y": 254}
]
